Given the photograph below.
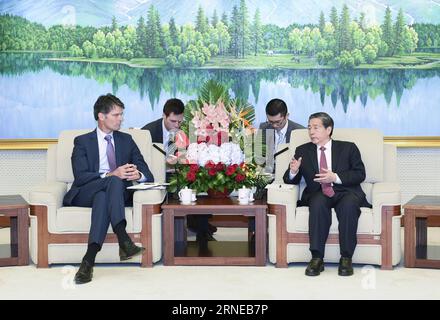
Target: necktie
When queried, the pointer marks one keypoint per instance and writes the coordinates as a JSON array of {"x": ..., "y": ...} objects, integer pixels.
[
  {"x": 170, "y": 147},
  {"x": 280, "y": 138},
  {"x": 110, "y": 153},
  {"x": 327, "y": 188}
]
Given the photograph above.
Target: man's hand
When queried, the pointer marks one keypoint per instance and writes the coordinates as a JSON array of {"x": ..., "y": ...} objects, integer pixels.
[
  {"x": 294, "y": 165},
  {"x": 133, "y": 173},
  {"x": 327, "y": 177},
  {"x": 127, "y": 172}
]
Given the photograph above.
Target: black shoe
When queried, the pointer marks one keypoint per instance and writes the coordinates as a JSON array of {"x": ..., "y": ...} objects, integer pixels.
[
  {"x": 315, "y": 267},
  {"x": 85, "y": 273},
  {"x": 345, "y": 267},
  {"x": 201, "y": 237},
  {"x": 212, "y": 229},
  {"x": 128, "y": 250}
]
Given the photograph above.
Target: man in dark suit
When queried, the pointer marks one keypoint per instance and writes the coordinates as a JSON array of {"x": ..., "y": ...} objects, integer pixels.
[
  {"x": 277, "y": 129},
  {"x": 333, "y": 171},
  {"x": 105, "y": 162},
  {"x": 172, "y": 119},
  {"x": 162, "y": 131}
]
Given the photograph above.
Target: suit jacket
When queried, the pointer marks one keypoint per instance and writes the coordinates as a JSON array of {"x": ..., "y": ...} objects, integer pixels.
[
  {"x": 156, "y": 130},
  {"x": 346, "y": 162},
  {"x": 85, "y": 160},
  {"x": 290, "y": 127}
]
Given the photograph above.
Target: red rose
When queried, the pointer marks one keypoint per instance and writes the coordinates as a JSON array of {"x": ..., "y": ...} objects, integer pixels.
[
  {"x": 194, "y": 168},
  {"x": 210, "y": 165},
  {"x": 240, "y": 178},
  {"x": 230, "y": 170},
  {"x": 191, "y": 176},
  {"x": 212, "y": 172},
  {"x": 220, "y": 166}
]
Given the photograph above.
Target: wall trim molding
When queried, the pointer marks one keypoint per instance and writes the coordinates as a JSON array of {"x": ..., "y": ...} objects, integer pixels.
[{"x": 43, "y": 144}]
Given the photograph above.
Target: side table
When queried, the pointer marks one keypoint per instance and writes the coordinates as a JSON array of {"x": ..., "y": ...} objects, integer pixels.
[
  {"x": 17, "y": 209},
  {"x": 417, "y": 252}
]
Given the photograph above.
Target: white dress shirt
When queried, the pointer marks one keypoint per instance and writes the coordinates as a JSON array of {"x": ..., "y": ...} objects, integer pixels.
[
  {"x": 165, "y": 135},
  {"x": 282, "y": 133},
  {"x": 328, "y": 157},
  {"x": 104, "y": 167}
]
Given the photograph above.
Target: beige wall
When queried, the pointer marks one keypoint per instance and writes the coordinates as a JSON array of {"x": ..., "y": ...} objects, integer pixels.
[{"x": 419, "y": 171}]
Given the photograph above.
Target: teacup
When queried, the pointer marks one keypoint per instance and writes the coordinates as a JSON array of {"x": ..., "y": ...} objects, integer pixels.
[
  {"x": 186, "y": 196},
  {"x": 245, "y": 195}
]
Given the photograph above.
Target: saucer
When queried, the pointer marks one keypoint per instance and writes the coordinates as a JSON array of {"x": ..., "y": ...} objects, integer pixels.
[{"x": 192, "y": 203}]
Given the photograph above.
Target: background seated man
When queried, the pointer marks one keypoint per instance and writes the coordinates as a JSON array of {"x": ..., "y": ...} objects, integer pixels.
[{"x": 163, "y": 131}]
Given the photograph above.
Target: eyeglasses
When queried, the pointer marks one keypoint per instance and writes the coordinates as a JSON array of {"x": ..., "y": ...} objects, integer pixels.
[{"x": 277, "y": 123}]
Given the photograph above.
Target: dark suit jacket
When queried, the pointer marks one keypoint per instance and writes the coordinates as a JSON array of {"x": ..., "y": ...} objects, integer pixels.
[
  {"x": 85, "y": 160},
  {"x": 346, "y": 162},
  {"x": 290, "y": 126},
  {"x": 156, "y": 130}
]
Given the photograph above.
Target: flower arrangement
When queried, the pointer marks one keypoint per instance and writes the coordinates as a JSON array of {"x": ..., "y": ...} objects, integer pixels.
[{"x": 211, "y": 144}]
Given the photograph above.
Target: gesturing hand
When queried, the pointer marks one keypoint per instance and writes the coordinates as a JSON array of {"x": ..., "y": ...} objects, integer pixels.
[
  {"x": 294, "y": 165},
  {"x": 327, "y": 177}
]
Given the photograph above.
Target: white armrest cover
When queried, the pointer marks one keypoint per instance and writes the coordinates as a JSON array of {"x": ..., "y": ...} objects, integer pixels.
[
  {"x": 288, "y": 195},
  {"x": 49, "y": 194},
  {"x": 384, "y": 194}
]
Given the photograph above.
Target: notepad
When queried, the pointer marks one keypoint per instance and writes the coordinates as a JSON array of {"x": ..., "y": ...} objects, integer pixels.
[{"x": 149, "y": 186}]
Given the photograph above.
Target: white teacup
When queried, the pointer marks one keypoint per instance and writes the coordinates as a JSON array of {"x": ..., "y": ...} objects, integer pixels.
[
  {"x": 245, "y": 195},
  {"x": 186, "y": 196}
]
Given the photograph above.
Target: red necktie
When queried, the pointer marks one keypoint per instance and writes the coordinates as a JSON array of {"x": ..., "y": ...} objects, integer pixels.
[{"x": 327, "y": 188}]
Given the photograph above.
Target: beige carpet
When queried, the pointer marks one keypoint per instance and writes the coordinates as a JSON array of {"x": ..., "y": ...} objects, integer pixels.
[{"x": 200, "y": 283}]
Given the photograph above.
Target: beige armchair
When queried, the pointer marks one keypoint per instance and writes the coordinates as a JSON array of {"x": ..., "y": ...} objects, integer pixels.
[
  {"x": 60, "y": 234},
  {"x": 379, "y": 227}
]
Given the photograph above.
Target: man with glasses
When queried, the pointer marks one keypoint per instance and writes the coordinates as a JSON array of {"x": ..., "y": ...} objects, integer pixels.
[{"x": 277, "y": 129}]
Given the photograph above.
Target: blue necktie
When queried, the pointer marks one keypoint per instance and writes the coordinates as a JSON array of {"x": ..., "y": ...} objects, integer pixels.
[{"x": 110, "y": 153}]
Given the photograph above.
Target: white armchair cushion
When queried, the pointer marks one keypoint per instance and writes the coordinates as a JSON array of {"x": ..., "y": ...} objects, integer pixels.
[
  {"x": 365, "y": 224},
  {"x": 78, "y": 220}
]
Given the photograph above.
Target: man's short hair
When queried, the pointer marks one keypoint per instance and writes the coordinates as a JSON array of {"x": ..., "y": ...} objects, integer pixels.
[
  {"x": 175, "y": 106},
  {"x": 327, "y": 121},
  {"x": 275, "y": 107},
  {"x": 105, "y": 104}
]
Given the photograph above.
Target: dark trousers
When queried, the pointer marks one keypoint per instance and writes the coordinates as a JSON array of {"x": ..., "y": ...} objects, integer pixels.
[
  {"x": 347, "y": 207},
  {"x": 107, "y": 197}
]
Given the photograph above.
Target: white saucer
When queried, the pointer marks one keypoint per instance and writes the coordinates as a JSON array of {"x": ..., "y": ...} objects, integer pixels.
[{"x": 188, "y": 204}]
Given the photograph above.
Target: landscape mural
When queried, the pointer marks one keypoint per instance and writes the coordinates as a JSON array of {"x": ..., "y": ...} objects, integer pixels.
[{"x": 369, "y": 64}]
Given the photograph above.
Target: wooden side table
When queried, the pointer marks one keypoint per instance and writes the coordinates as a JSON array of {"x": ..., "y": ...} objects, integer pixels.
[
  {"x": 417, "y": 252},
  {"x": 175, "y": 213},
  {"x": 17, "y": 209}
]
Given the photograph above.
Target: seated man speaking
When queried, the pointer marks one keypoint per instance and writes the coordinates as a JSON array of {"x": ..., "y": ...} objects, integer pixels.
[
  {"x": 104, "y": 162},
  {"x": 333, "y": 171}
]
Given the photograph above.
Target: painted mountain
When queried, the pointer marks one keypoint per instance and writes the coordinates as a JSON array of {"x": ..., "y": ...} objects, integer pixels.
[{"x": 279, "y": 12}]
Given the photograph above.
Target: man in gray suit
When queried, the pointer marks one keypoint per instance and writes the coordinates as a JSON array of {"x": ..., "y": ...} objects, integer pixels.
[{"x": 277, "y": 129}]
